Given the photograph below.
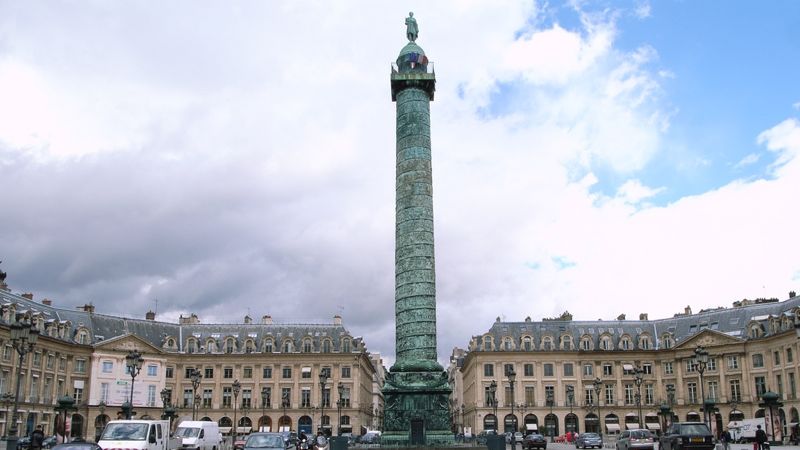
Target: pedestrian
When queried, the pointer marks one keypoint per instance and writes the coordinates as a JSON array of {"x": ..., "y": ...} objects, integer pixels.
[
  {"x": 726, "y": 439},
  {"x": 37, "y": 438},
  {"x": 761, "y": 438}
]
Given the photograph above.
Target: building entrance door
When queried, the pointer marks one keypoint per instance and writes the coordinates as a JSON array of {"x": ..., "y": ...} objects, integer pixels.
[{"x": 417, "y": 432}]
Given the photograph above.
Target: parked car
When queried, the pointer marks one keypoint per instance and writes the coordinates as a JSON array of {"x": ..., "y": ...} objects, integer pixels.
[
  {"x": 261, "y": 441},
  {"x": 24, "y": 442},
  {"x": 371, "y": 438},
  {"x": 636, "y": 439},
  {"x": 589, "y": 440},
  {"x": 50, "y": 441},
  {"x": 687, "y": 436},
  {"x": 482, "y": 436},
  {"x": 518, "y": 436},
  {"x": 534, "y": 440},
  {"x": 77, "y": 446}
]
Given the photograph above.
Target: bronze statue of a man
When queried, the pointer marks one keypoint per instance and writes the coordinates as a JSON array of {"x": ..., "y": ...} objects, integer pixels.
[{"x": 411, "y": 27}]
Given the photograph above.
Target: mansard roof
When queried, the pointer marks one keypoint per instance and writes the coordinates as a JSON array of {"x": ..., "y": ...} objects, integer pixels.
[
  {"x": 104, "y": 327},
  {"x": 733, "y": 322}
]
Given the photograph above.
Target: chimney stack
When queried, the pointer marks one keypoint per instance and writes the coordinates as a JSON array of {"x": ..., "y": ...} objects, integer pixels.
[
  {"x": 28, "y": 295},
  {"x": 88, "y": 308},
  {"x": 47, "y": 302},
  {"x": 248, "y": 320},
  {"x": 150, "y": 315},
  {"x": 337, "y": 320},
  {"x": 266, "y": 319},
  {"x": 643, "y": 316}
]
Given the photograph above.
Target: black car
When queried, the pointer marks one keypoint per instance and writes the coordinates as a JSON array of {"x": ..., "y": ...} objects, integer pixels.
[
  {"x": 534, "y": 440},
  {"x": 687, "y": 436}
]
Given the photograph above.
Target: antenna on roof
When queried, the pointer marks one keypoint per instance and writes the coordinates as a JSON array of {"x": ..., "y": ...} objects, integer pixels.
[{"x": 155, "y": 300}]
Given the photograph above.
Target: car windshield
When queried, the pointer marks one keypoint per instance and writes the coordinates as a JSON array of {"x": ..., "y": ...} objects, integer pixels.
[
  {"x": 694, "y": 428},
  {"x": 125, "y": 432},
  {"x": 264, "y": 441},
  {"x": 187, "y": 432}
]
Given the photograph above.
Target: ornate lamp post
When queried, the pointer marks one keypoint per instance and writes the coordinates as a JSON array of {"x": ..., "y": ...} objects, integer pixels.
[
  {"x": 598, "y": 389},
  {"x": 770, "y": 400},
  {"x": 512, "y": 376},
  {"x": 339, "y": 404},
  {"x": 571, "y": 400},
  {"x": 134, "y": 362},
  {"x": 550, "y": 401},
  {"x": 493, "y": 400},
  {"x": 701, "y": 360},
  {"x": 323, "y": 379},
  {"x": 195, "y": 376},
  {"x": 285, "y": 403},
  {"x": 671, "y": 401},
  {"x": 236, "y": 388},
  {"x": 65, "y": 404},
  {"x": 24, "y": 335},
  {"x": 169, "y": 411},
  {"x": 263, "y": 405},
  {"x": 637, "y": 378}
]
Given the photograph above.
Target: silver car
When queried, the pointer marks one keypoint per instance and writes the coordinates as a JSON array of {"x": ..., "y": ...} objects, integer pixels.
[
  {"x": 638, "y": 439},
  {"x": 589, "y": 440}
]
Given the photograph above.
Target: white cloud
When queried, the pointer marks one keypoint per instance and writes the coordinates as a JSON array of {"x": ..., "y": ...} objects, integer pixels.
[{"x": 748, "y": 160}]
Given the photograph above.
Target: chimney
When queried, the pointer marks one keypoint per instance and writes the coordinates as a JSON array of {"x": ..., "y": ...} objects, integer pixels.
[
  {"x": 687, "y": 310},
  {"x": 266, "y": 319},
  {"x": 337, "y": 320},
  {"x": 643, "y": 316},
  {"x": 190, "y": 320},
  {"x": 47, "y": 302},
  {"x": 248, "y": 320},
  {"x": 150, "y": 315},
  {"x": 88, "y": 308},
  {"x": 28, "y": 295}
]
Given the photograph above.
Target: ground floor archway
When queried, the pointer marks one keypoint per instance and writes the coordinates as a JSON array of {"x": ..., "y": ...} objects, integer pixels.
[{"x": 571, "y": 423}]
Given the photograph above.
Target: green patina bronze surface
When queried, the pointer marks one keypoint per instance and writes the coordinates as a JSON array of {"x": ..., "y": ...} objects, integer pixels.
[{"x": 416, "y": 390}]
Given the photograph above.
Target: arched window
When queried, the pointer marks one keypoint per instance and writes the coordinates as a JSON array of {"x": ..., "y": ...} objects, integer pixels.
[
  {"x": 249, "y": 346},
  {"x": 345, "y": 345},
  {"x": 527, "y": 343},
  {"x": 508, "y": 344},
  {"x": 606, "y": 344},
  {"x": 288, "y": 347},
  {"x": 667, "y": 341},
  {"x": 230, "y": 345},
  {"x": 547, "y": 343},
  {"x": 586, "y": 343},
  {"x": 487, "y": 343},
  {"x": 625, "y": 343},
  {"x": 211, "y": 346},
  {"x": 566, "y": 342},
  {"x": 645, "y": 343},
  {"x": 326, "y": 346},
  {"x": 268, "y": 345},
  {"x": 191, "y": 346},
  {"x": 307, "y": 345}
]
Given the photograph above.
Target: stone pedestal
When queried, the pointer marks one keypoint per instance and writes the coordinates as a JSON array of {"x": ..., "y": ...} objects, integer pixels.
[{"x": 417, "y": 411}]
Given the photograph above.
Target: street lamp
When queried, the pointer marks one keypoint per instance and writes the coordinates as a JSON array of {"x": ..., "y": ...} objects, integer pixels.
[
  {"x": 671, "y": 401},
  {"x": 24, "y": 335},
  {"x": 285, "y": 403},
  {"x": 7, "y": 399},
  {"x": 65, "y": 404},
  {"x": 323, "y": 378},
  {"x": 169, "y": 410},
  {"x": 570, "y": 400},
  {"x": 701, "y": 360},
  {"x": 637, "y": 374},
  {"x": 195, "y": 376},
  {"x": 550, "y": 401},
  {"x": 512, "y": 376},
  {"x": 493, "y": 400},
  {"x": 236, "y": 388},
  {"x": 134, "y": 362},
  {"x": 339, "y": 404},
  {"x": 263, "y": 406},
  {"x": 598, "y": 388},
  {"x": 770, "y": 400}
]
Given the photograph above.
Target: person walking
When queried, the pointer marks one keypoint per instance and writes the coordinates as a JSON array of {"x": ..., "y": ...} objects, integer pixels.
[
  {"x": 761, "y": 438},
  {"x": 37, "y": 438},
  {"x": 726, "y": 439}
]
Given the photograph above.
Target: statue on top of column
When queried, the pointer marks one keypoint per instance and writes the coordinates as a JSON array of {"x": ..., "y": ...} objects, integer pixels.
[{"x": 411, "y": 27}]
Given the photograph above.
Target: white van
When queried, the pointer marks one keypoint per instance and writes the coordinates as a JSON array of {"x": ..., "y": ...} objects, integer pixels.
[
  {"x": 199, "y": 435},
  {"x": 135, "y": 435}
]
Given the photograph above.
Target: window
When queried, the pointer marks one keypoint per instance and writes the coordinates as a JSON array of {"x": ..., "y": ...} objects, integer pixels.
[
  {"x": 608, "y": 370},
  {"x": 266, "y": 372},
  {"x": 103, "y": 391},
  {"x": 207, "y": 396},
  {"x": 345, "y": 371},
  {"x": 80, "y": 365},
  {"x": 62, "y": 363},
  {"x": 50, "y": 358},
  {"x": 208, "y": 373},
  {"x": 307, "y": 347},
  {"x": 345, "y": 398},
  {"x": 227, "y": 395},
  {"x": 776, "y": 358},
  {"x": 247, "y": 372},
  {"x": 227, "y": 372},
  {"x": 605, "y": 343},
  {"x": 305, "y": 398},
  {"x": 187, "y": 373},
  {"x": 733, "y": 362},
  {"x": 588, "y": 369},
  {"x": 568, "y": 370},
  {"x": 779, "y": 385},
  {"x": 548, "y": 370},
  {"x": 305, "y": 372},
  {"x": 77, "y": 394},
  {"x": 108, "y": 366},
  {"x": 668, "y": 370},
  {"x": 647, "y": 369},
  {"x": 649, "y": 394},
  {"x": 230, "y": 345},
  {"x": 528, "y": 369},
  {"x": 488, "y": 370},
  {"x": 287, "y": 347},
  {"x": 152, "y": 371},
  {"x": 550, "y": 395},
  {"x": 266, "y": 397},
  {"x": 691, "y": 365},
  {"x": 187, "y": 398},
  {"x": 735, "y": 391},
  {"x": 151, "y": 395},
  {"x": 629, "y": 400},
  {"x": 526, "y": 344},
  {"x": 287, "y": 372},
  {"x": 792, "y": 387},
  {"x": 508, "y": 368},
  {"x": 286, "y": 397},
  {"x": 346, "y": 346},
  {"x": 170, "y": 372},
  {"x": 789, "y": 356},
  {"x": 268, "y": 346},
  {"x": 326, "y": 398},
  {"x": 326, "y": 371},
  {"x": 487, "y": 396},
  {"x": 713, "y": 390},
  {"x": 609, "y": 394},
  {"x": 691, "y": 389},
  {"x": 530, "y": 393},
  {"x": 761, "y": 386},
  {"x": 247, "y": 399},
  {"x": 712, "y": 364},
  {"x": 758, "y": 360},
  {"x": 586, "y": 343},
  {"x": 326, "y": 346}
]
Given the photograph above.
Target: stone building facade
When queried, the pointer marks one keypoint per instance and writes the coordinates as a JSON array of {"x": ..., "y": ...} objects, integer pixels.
[
  {"x": 752, "y": 348},
  {"x": 81, "y": 354}
]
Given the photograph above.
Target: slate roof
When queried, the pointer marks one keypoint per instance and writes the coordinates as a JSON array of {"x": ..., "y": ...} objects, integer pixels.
[{"x": 103, "y": 327}]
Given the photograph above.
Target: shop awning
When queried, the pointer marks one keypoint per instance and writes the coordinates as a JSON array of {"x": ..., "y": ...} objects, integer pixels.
[
  {"x": 531, "y": 426},
  {"x": 631, "y": 426},
  {"x": 612, "y": 426},
  {"x": 653, "y": 426},
  {"x": 243, "y": 429},
  {"x": 225, "y": 430}
]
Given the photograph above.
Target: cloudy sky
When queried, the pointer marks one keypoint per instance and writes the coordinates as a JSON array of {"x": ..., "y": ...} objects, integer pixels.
[{"x": 232, "y": 158}]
